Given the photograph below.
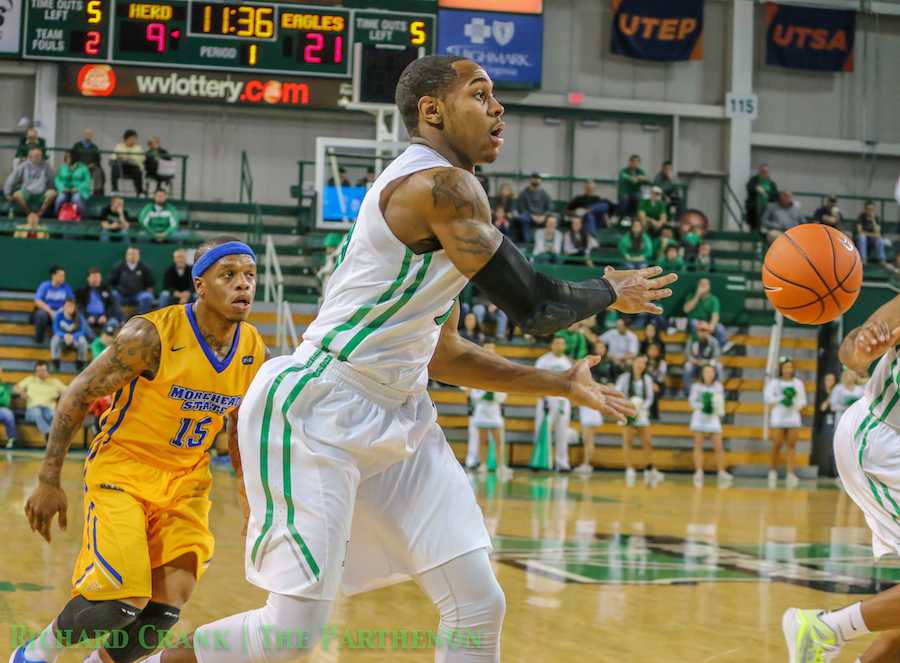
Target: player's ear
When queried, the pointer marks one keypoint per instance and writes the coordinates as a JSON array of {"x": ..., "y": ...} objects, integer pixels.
[
  {"x": 199, "y": 287},
  {"x": 430, "y": 110}
]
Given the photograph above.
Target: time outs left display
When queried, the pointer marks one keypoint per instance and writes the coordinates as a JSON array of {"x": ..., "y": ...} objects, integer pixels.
[{"x": 265, "y": 37}]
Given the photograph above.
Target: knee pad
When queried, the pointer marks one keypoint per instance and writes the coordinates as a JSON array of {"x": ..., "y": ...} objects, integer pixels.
[
  {"x": 143, "y": 636},
  {"x": 83, "y": 619}
]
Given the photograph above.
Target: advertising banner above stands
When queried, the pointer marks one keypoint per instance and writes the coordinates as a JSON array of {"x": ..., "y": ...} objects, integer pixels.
[
  {"x": 509, "y": 46},
  {"x": 514, "y": 6},
  {"x": 658, "y": 30},
  {"x": 10, "y": 26},
  {"x": 807, "y": 38},
  {"x": 103, "y": 80}
]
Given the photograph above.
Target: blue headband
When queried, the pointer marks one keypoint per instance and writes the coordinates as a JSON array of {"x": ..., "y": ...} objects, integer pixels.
[{"x": 212, "y": 256}]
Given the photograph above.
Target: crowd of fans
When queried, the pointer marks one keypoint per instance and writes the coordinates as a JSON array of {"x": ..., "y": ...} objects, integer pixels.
[
  {"x": 773, "y": 211},
  {"x": 36, "y": 191}
]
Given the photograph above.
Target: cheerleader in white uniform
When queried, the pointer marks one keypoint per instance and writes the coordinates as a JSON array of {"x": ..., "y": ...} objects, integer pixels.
[
  {"x": 487, "y": 418},
  {"x": 707, "y": 399},
  {"x": 845, "y": 394},
  {"x": 557, "y": 410},
  {"x": 637, "y": 385},
  {"x": 786, "y": 395},
  {"x": 591, "y": 419}
]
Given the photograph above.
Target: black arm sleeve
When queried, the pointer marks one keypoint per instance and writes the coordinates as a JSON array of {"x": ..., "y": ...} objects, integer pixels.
[{"x": 540, "y": 305}]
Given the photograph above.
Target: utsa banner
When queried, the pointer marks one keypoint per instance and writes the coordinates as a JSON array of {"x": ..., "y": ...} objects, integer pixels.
[
  {"x": 659, "y": 30},
  {"x": 807, "y": 38}
]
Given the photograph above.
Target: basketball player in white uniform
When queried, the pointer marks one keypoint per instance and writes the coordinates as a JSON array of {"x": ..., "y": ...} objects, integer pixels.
[
  {"x": 557, "y": 411},
  {"x": 350, "y": 480},
  {"x": 867, "y": 452}
]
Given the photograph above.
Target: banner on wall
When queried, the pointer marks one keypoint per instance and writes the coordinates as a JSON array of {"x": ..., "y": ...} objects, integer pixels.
[
  {"x": 808, "y": 38},
  {"x": 659, "y": 30},
  {"x": 509, "y": 46},
  {"x": 211, "y": 87},
  {"x": 10, "y": 26},
  {"x": 519, "y": 6}
]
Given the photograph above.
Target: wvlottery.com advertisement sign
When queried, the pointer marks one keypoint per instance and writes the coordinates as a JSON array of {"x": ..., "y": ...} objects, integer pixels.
[
  {"x": 209, "y": 87},
  {"x": 508, "y": 46}
]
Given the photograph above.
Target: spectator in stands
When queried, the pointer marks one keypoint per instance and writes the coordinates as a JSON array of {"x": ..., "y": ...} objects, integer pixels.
[
  {"x": 704, "y": 306},
  {"x": 114, "y": 219},
  {"x": 704, "y": 349},
  {"x": 652, "y": 212},
  {"x": 159, "y": 219},
  {"x": 636, "y": 247},
  {"x": 661, "y": 243},
  {"x": 178, "y": 286},
  {"x": 73, "y": 185},
  {"x": 488, "y": 315},
  {"x": 672, "y": 260},
  {"x": 48, "y": 299},
  {"x": 29, "y": 141},
  {"x": 576, "y": 342},
  {"x": 69, "y": 334},
  {"x": 868, "y": 234},
  {"x": 690, "y": 233},
  {"x": 7, "y": 418},
  {"x": 704, "y": 262},
  {"x": 592, "y": 208},
  {"x": 657, "y": 369},
  {"x": 158, "y": 164},
  {"x": 506, "y": 198},
  {"x": 548, "y": 241},
  {"x": 128, "y": 162},
  {"x": 342, "y": 174},
  {"x": 631, "y": 179},
  {"x": 103, "y": 341},
  {"x": 781, "y": 216},
  {"x": 132, "y": 281},
  {"x": 368, "y": 180},
  {"x": 502, "y": 221},
  {"x": 532, "y": 207},
  {"x": 665, "y": 180},
  {"x": 471, "y": 330},
  {"x": 652, "y": 338},
  {"x": 829, "y": 214},
  {"x": 30, "y": 185},
  {"x": 604, "y": 371},
  {"x": 622, "y": 344},
  {"x": 31, "y": 229},
  {"x": 577, "y": 241},
  {"x": 761, "y": 191},
  {"x": 96, "y": 301},
  {"x": 41, "y": 392},
  {"x": 86, "y": 151}
]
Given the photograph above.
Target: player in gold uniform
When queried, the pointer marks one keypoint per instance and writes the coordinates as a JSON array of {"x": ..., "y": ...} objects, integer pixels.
[{"x": 177, "y": 373}]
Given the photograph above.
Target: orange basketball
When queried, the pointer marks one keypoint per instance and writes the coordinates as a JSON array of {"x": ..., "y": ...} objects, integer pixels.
[{"x": 812, "y": 274}]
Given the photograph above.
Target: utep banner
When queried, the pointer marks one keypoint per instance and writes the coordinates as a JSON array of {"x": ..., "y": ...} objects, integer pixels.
[
  {"x": 660, "y": 30},
  {"x": 806, "y": 38},
  {"x": 508, "y": 46}
]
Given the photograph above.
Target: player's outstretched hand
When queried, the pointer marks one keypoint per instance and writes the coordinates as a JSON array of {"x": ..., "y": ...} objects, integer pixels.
[
  {"x": 873, "y": 340},
  {"x": 637, "y": 289},
  {"x": 584, "y": 390},
  {"x": 45, "y": 502}
]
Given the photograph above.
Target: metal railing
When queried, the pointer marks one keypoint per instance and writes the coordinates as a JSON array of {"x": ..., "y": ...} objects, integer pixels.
[
  {"x": 182, "y": 158},
  {"x": 254, "y": 217},
  {"x": 273, "y": 292},
  {"x": 246, "y": 186},
  {"x": 732, "y": 207}
]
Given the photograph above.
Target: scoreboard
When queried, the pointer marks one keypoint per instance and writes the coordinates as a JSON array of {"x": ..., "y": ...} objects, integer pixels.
[{"x": 273, "y": 37}]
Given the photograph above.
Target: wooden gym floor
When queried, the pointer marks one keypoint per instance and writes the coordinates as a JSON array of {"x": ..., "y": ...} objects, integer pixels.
[{"x": 593, "y": 570}]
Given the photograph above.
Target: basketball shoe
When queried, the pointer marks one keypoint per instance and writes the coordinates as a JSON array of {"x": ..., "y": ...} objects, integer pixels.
[{"x": 809, "y": 639}]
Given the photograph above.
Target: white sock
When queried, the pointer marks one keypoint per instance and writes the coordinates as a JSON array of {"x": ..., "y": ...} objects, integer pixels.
[
  {"x": 45, "y": 647},
  {"x": 94, "y": 657},
  {"x": 847, "y": 622}
]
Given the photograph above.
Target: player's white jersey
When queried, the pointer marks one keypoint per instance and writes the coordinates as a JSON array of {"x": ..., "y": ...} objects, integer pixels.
[
  {"x": 383, "y": 307},
  {"x": 883, "y": 392}
]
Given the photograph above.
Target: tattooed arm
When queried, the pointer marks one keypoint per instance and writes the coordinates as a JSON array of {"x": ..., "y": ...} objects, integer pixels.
[{"x": 134, "y": 352}]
